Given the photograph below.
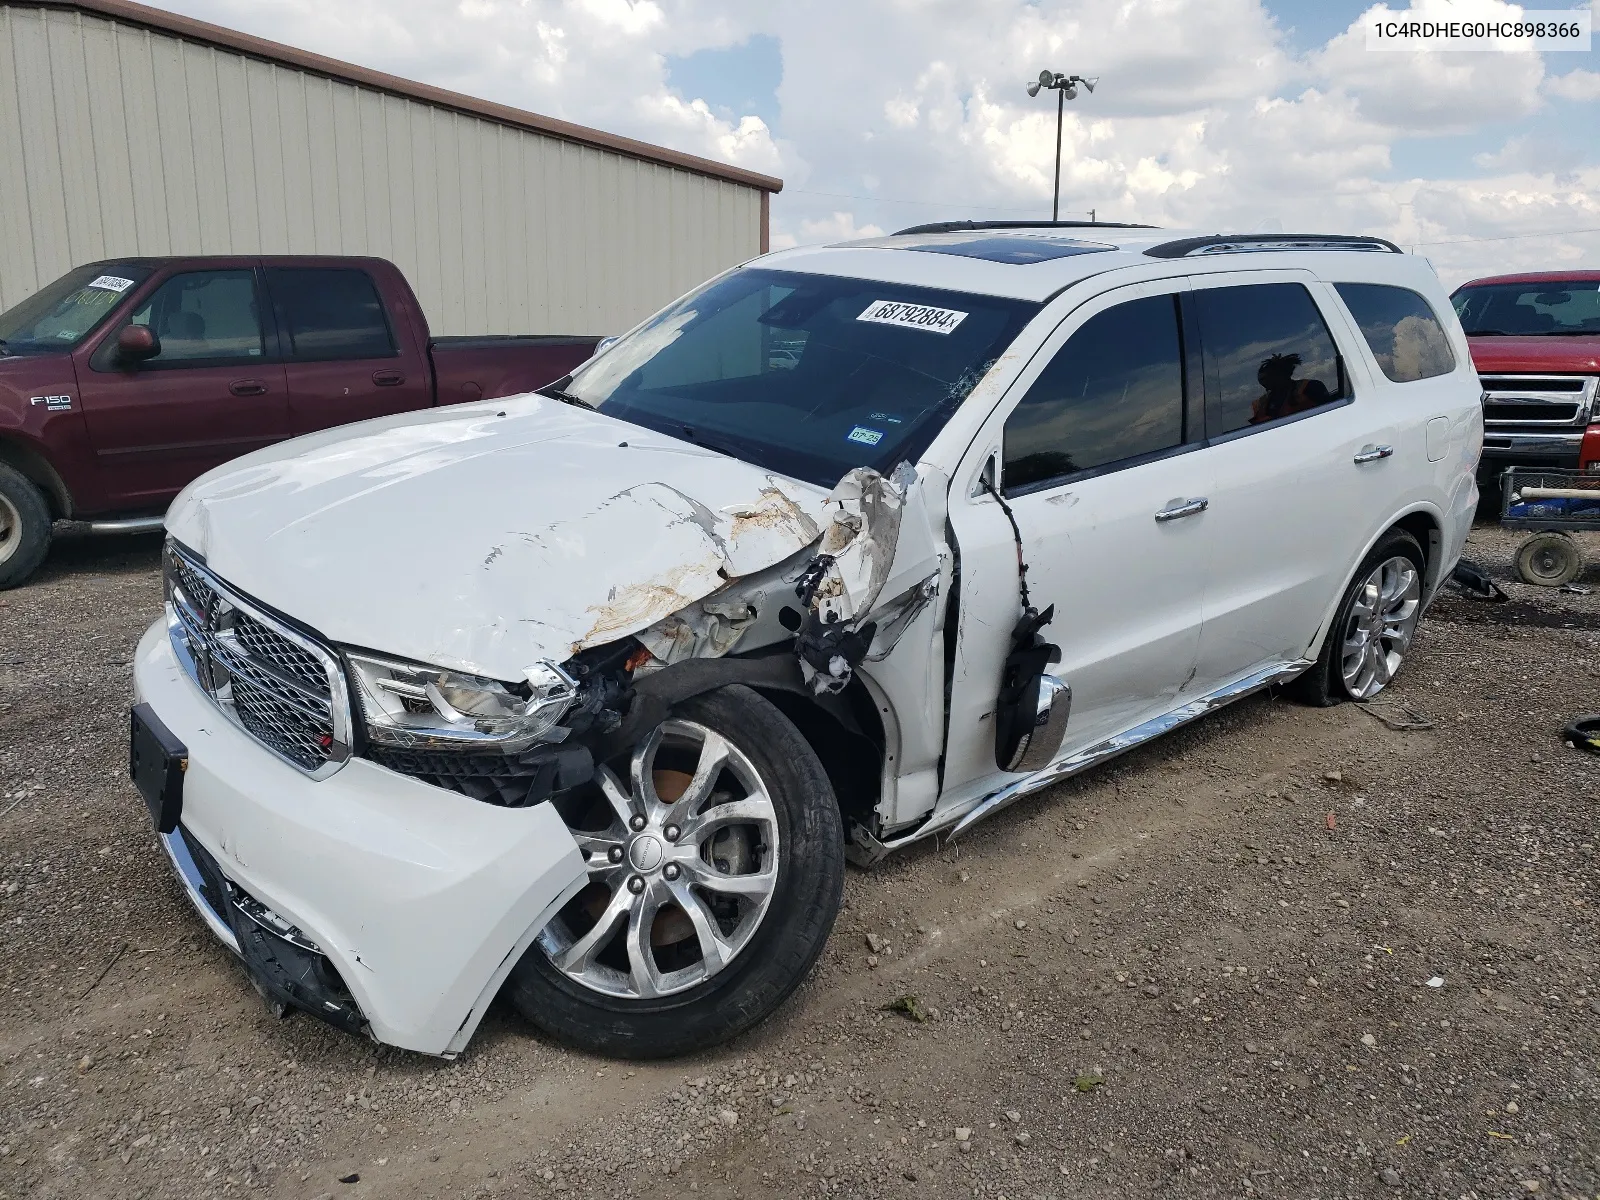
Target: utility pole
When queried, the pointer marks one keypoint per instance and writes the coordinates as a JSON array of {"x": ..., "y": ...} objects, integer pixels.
[{"x": 1065, "y": 88}]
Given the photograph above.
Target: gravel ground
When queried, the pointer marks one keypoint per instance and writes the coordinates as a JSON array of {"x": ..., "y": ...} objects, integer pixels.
[{"x": 1287, "y": 952}]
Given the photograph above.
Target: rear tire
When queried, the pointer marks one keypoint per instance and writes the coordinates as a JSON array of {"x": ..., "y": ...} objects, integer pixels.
[
  {"x": 24, "y": 527},
  {"x": 625, "y": 970},
  {"x": 1367, "y": 622},
  {"x": 1549, "y": 560}
]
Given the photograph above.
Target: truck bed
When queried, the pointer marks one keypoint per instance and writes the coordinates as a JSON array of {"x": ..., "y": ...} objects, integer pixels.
[{"x": 473, "y": 367}]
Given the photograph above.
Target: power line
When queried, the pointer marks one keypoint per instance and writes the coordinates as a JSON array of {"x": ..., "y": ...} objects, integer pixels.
[{"x": 1510, "y": 237}]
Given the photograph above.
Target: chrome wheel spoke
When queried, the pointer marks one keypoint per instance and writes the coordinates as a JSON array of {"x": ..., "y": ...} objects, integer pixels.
[
  {"x": 713, "y": 758},
  {"x": 750, "y": 811},
  {"x": 616, "y": 795},
  {"x": 753, "y": 883},
  {"x": 715, "y": 953},
  {"x": 577, "y": 958},
  {"x": 641, "y": 955}
]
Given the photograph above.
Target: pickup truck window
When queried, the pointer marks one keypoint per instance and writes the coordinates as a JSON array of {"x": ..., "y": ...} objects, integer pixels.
[
  {"x": 1555, "y": 308},
  {"x": 806, "y": 375},
  {"x": 62, "y": 314},
  {"x": 203, "y": 316},
  {"x": 1269, "y": 355},
  {"x": 329, "y": 313},
  {"x": 1405, "y": 336},
  {"x": 1112, "y": 394}
]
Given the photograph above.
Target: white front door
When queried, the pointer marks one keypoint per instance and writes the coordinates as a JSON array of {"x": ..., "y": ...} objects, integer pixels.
[{"x": 1103, "y": 473}]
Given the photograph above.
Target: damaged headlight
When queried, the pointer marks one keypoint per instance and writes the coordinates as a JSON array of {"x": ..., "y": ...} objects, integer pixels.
[{"x": 418, "y": 707}]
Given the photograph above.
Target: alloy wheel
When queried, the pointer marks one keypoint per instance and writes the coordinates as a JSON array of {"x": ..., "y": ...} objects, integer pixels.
[
  {"x": 682, "y": 862},
  {"x": 1381, "y": 623}
]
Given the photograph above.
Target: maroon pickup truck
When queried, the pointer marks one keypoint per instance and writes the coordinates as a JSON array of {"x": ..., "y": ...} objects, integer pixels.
[
  {"x": 123, "y": 380},
  {"x": 1536, "y": 344}
]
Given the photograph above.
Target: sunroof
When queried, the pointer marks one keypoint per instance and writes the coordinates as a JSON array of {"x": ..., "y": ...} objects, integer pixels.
[{"x": 1009, "y": 248}]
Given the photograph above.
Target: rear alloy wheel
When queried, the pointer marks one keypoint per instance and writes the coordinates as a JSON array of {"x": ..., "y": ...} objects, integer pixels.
[
  {"x": 1378, "y": 625},
  {"x": 715, "y": 856},
  {"x": 1372, "y": 628}
]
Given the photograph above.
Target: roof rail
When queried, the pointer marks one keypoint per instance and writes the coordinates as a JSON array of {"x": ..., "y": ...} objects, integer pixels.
[
  {"x": 965, "y": 226},
  {"x": 1244, "y": 243}
]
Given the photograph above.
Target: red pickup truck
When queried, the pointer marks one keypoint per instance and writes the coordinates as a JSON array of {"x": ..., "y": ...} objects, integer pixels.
[
  {"x": 1535, "y": 340},
  {"x": 123, "y": 380}
]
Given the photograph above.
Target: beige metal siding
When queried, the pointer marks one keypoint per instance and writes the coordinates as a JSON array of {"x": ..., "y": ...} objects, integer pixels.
[{"x": 117, "y": 140}]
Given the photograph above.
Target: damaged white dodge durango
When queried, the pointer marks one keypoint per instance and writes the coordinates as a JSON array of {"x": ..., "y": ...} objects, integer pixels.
[{"x": 587, "y": 695}]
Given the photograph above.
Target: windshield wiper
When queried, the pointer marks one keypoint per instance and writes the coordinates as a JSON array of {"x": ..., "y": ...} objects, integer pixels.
[
  {"x": 555, "y": 393},
  {"x": 690, "y": 434}
]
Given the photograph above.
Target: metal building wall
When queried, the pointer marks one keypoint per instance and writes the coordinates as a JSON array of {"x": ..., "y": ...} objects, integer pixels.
[{"x": 123, "y": 141}]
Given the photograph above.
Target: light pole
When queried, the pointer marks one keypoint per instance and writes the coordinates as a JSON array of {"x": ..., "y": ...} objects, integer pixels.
[{"x": 1065, "y": 88}]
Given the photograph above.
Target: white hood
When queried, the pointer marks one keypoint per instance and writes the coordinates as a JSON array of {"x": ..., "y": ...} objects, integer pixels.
[{"x": 489, "y": 537}]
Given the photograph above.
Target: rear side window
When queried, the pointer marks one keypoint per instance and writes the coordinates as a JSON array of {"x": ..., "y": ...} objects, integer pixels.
[
  {"x": 1268, "y": 353},
  {"x": 329, "y": 313},
  {"x": 1113, "y": 393},
  {"x": 1406, "y": 338}
]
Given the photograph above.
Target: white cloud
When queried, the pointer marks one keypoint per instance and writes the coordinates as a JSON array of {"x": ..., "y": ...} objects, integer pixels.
[
  {"x": 1574, "y": 85},
  {"x": 898, "y": 112}
]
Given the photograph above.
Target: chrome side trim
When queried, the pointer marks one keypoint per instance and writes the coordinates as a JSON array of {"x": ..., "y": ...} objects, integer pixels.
[
  {"x": 868, "y": 849},
  {"x": 1127, "y": 740},
  {"x": 1123, "y": 742},
  {"x": 189, "y": 874}
]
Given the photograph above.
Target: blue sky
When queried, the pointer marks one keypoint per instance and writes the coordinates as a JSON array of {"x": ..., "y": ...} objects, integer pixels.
[{"x": 1220, "y": 114}]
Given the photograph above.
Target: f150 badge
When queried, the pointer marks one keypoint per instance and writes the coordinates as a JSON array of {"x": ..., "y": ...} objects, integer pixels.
[{"x": 53, "y": 403}]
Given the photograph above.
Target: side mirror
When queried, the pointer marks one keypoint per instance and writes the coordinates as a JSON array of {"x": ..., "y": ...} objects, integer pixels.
[{"x": 136, "y": 343}]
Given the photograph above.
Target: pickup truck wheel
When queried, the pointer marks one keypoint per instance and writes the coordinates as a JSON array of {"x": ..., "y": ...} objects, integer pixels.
[
  {"x": 1372, "y": 629},
  {"x": 715, "y": 853},
  {"x": 24, "y": 527}
]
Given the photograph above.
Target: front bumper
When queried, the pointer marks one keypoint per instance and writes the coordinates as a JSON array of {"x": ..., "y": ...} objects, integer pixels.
[
  {"x": 1557, "y": 448},
  {"x": 421, "y": 899}
]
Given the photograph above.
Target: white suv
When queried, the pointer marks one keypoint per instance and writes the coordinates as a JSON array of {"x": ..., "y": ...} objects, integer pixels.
[{"x": 592, "y": 692}]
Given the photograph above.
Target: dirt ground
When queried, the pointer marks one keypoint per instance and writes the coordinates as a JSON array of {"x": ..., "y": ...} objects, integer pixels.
[{"x": 1287, "y": 952}]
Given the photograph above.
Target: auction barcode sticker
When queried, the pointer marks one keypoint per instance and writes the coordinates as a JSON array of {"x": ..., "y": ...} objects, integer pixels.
[
  {"x": 912, "y": 316},
  {"x": 111, "y": 283}
]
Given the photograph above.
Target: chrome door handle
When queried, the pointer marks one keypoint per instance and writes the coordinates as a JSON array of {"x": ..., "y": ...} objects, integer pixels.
[
  {"x": 1371, "y": 453},
  {"x": 1183, "y": 508}
]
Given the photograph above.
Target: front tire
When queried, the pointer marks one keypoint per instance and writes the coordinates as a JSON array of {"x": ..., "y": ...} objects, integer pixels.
[
  {"x": 24, "y": 527},
  {"x": 1372, "y": 629},
  {"x": 716, "y": 869}
]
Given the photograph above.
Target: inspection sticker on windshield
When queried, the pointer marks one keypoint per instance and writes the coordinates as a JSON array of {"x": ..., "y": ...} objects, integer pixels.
[
  {"x": 111, "y": 283},
  {"x": 867, "y": 437},
  {"x": 913, "y": 316}
]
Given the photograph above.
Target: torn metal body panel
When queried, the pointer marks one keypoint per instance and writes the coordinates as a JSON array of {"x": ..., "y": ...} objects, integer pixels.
[{"x": 365, "y": 539}]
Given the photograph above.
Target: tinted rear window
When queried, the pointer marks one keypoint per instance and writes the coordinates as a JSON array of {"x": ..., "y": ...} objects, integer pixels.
[
  {"x": 1400, "y": 327},
  {"x": 1268, "y": 352},
  {"x": 329, "y": 313}
]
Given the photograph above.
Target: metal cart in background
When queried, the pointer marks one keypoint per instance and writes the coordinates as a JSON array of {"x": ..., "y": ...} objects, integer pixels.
[{"x": 1552, "y": 506}]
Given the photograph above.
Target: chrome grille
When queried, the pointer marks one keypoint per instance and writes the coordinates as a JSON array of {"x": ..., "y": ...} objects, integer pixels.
[
  {"x": 277, "y": 684},
  {"x": 1540, "y": 400}
]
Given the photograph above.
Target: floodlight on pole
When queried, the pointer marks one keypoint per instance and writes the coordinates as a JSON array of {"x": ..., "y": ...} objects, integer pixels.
[{"x": 1066, "y": 88}]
